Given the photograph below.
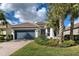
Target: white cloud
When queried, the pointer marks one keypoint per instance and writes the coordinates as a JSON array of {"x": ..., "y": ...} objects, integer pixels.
[
  {"x": 5, "y": 7},
  {"x": 21, "y": 20},
  {"x": 68, "y": 25},
  {"x": 9, "y": 21},
  {"x": 33, "y": 9},
  {"x": 17, "y": 14},
  {"x": 41, "y": 12},
  {"x": 77, "y": 21}
]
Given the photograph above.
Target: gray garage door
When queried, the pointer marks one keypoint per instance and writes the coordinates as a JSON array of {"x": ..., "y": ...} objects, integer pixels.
[{"x": 24, "y": 34}]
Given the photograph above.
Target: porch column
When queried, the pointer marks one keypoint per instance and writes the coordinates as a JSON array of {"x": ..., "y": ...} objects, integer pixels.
[
  {"x": 51, "y": 32},
  {"x": 13, "y": 34},
  {"x": 36, "y": 33},
  {"x": 46, "y": 31}
]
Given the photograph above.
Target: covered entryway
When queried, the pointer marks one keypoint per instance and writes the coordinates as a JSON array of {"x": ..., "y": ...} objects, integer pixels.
[{"x": 24, "y": 34}]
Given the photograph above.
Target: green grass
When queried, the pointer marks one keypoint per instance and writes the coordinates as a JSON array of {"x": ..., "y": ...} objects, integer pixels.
[{"x": 34, "y": 49}]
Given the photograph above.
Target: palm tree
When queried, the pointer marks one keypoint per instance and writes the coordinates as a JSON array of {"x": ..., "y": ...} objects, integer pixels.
[
  {"x": 57, "y": 12},
  {"x": 54, "y": 23}
]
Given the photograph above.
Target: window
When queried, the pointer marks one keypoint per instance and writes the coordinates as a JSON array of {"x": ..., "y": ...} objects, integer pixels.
[
  {"x": 48, "y": 33},
  {"x": 42, "y": 31}
]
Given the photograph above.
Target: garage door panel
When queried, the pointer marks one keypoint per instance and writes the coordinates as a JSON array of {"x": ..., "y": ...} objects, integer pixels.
[
  {"x": 21, "y": 35},
  {"x": 25, "y": 34}
]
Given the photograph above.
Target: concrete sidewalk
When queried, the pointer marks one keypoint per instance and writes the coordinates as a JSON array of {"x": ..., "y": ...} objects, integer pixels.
[{"x": 7, "y": 48}]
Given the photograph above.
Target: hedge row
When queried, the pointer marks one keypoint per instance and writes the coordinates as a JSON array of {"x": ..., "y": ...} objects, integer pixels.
[
  {"x": 42, "y": 40},
  {"x": 76, "y": 37},
  {"x": 5, "y": 38}
]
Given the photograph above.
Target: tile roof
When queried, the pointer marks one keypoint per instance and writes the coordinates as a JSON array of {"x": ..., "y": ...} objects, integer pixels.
[
  {"x": 25, "y": 25},
  {"x": 41, "y": 24},
  {"x": 30, "y": 25}
]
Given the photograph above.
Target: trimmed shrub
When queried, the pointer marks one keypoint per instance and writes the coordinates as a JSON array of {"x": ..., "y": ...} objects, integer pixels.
[
  {"x": 77, "y": 41},
  {"x": 5, "y": 38},
  {"x": 53, "y": 42},
  {"x": 8, "y": 37},
  {"x": 41, "y": 40},
  {"x": 2, "y": 38},
  {"x": 48, "y": 42},
  {"x": 68, "y": 43}
]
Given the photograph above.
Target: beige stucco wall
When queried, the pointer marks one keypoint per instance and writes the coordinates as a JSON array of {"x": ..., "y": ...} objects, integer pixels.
[
  {"x": 75, "y": 32},
  {"x": 9, "y": 31}
]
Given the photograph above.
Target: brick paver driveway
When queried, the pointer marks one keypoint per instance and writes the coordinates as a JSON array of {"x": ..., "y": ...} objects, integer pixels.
[{"x": 7, "y": 48}]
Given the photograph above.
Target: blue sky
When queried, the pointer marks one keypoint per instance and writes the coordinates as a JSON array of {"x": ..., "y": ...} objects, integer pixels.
[
  {"x": 67, "y": 20},
  {"x": 16, "y": 13}
]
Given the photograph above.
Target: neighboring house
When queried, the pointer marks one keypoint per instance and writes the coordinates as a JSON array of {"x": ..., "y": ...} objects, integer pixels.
[
  {"x": 75, "y": 30},
  {"x": 2, "y": 29},
  {"x": 30, "y": 30},
  {"x": 5, "y": 29}
]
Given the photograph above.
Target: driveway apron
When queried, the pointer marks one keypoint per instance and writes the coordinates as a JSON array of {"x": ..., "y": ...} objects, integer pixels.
[{"x": 7, "y": 48}]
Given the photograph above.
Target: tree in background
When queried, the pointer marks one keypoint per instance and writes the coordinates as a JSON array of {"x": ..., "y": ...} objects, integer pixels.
[
  {"x": 4, "y": 22},
  {"x": 73, "y": 12}
]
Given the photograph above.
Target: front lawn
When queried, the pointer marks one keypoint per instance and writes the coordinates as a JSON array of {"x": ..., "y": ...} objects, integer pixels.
[{"x": 34, "y": 49}]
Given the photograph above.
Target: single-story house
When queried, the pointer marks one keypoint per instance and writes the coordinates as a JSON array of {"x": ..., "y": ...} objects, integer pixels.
[{"x": 30, "y": 30}]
